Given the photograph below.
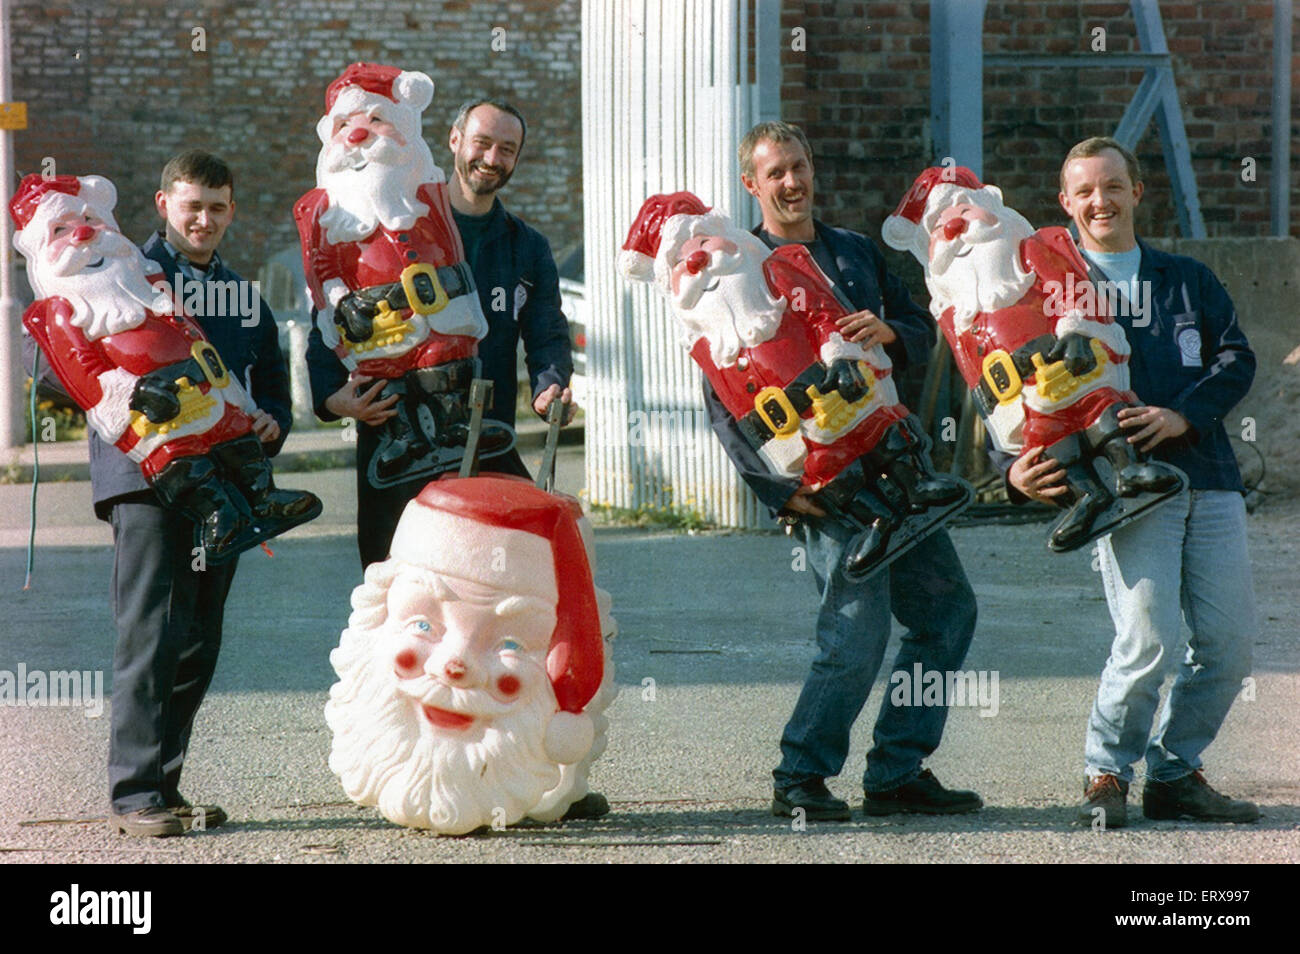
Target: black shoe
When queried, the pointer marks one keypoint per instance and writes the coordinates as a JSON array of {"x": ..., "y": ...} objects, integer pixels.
[
  {"x": 814, "y": 798},
  {"x": 591, "y": 805},
  {"x": 151, "y": 822},
  {"x": 1105, "y": 800},
  {"x": 200, "y": 817},
  {"x": 1191, "y": 797},
  {"x": 921, "y": 796}
]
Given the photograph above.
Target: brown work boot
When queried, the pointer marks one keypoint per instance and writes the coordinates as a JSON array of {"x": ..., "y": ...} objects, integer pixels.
[
  {"x": 1105, "y": 800},
  {"x": 150, "y": 822}
]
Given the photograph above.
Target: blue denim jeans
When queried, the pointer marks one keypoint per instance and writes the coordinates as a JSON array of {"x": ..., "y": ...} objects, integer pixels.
[
  {"x": 1186, "y": 560},
  {"x": 927, "y": 592}
]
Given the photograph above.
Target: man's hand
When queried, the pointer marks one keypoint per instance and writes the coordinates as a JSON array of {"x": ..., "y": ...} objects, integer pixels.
[
  {"x": 1153, "y": 425},
  {"x": 364, "y": 406},
  {"x": 802, "y": 502},
  {"x": 1043, "y": 481},
  {"x": 265, "y": 427},
  {"x": 866, "y": 329},
  {"x": 542, "y": 403}
]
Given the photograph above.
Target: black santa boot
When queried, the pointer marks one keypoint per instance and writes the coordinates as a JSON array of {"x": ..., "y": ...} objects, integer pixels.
[
  {"x": 1091, "y": 498},
  {"x": 247, "y": 467},
  {"x": 1135, "y": 473},
  {"x": 193, "y": 486},
  {"x": 902, "y": 455},
  {"x": 848, "y": 499}
]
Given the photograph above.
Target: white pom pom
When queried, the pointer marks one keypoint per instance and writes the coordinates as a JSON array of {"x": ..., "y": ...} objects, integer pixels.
[
  {"x": 415, "y": 89},
  {"x": 636, "y": 266},
  {"x": 569, "y": 737}
]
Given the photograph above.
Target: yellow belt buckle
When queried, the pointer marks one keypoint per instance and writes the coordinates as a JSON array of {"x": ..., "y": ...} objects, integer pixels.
[
  {"x": 1053, "y": 380},
  {"x": 782, "y": 401},
  {"x": 413, "y": 301},
  {"x": 210, "y": 363},
  {"x": 1000, "y": 374}
]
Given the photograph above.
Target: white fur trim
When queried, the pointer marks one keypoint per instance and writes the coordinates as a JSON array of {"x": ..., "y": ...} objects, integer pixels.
[
  {"x": 351, "y": 99},
  {"x": 97, "y": 195},
  {"x": 451, "y": 545},
  {"x": 836, "y": 347},
  {"x": 785, "y": 455},
  {"x": 1114, "y": 376},
  {"x": 636, "y": 266},
  {"x": 900, "y": 233},
  {"x": 1004, "y": 425},
  {"x": 462, "y": 316},
  {"x": 1111, "y": 335},
  {"x": 569, "y": 736},
  {"x": 683, "y": 226},
  {"x": 111, "y": 415}
]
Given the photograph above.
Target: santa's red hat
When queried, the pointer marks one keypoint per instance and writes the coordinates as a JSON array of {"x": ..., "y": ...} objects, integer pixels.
[
  {"x": 902, "y": 230},
  {"x": 40, "y": 199},
  {"x": 401, "y": 96},
  {"x": 506, "y": 533},
  {"x": 642, "y": 248}
]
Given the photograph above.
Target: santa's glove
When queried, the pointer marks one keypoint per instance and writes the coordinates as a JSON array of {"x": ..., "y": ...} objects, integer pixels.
[
  {"x": 844, "y": 375},
  {"x": 357, "y": 315},
  {"x": 1076, "y": 350},
  {"x": 156, "y": 398}
]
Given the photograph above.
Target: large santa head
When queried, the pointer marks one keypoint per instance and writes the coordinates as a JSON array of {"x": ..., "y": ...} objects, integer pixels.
[
  {"x": 74, "y": 250},
  {"x": 967, "y": 239},
  {"x": 710, "y": 271},
  {"x": 373, "y": 157},
  {"x": 474, "y": 669}
]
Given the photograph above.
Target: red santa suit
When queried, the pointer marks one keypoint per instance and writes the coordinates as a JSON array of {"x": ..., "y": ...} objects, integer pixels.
[
  {"x": 100, "y": 372},
  {"x": 1051, "y": 256},
  {"x": 806, "y": 336}
]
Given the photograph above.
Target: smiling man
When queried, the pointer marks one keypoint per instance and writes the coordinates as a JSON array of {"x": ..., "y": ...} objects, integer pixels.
[
  {"x": 926, "y": 589},
  {"x": 1188, "y": 559}
]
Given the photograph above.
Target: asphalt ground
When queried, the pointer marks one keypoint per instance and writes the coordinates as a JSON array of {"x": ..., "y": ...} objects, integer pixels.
[{"x": 715, "y": 639}]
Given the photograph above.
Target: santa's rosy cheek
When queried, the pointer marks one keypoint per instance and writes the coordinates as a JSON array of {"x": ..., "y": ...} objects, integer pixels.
[
  {"x": 407, "y": 663},
  {"x": 508, "y": 685}
]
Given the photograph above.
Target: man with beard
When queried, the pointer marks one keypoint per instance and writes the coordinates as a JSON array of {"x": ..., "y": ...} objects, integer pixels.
[
  {"x": 925, "y": 589},
  {"x": 1047, "y": 368},
  {"x": 1186, "y": 561},
  {"x": 168, "y": 605},
  {"x": 473, "y": 678},
  {"x": 518, "y": 291}
]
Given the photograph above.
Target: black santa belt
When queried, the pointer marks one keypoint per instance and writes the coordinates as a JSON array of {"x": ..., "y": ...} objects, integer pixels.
[
  {"x": 422, "y": 288},
  {"x": 1004, "y": 372},
  {"x": 777, "y": 410}
]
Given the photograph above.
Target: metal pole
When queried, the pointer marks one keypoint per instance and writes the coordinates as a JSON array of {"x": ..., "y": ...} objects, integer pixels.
[
  {"x": 1280, "y": 168},
  {"x": 11, "y": 364}
]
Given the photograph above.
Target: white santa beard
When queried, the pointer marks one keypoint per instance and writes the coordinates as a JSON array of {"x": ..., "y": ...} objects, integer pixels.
[
  {"x": 109, "y": 299},
  {"x": 388, "y": 755},
  {"x": 985, "y": 279},
  {"x": 383, "y": 192},
  {"x": 739, "y": 313}
]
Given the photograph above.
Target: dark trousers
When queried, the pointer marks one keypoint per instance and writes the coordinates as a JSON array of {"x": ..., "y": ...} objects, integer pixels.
[
  {"x": 168, "y": 636},
  {"x": 378, "y": 511}
]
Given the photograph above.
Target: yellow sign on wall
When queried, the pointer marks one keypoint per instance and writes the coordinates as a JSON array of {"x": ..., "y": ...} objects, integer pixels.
[{"x": 13, "y": 115}]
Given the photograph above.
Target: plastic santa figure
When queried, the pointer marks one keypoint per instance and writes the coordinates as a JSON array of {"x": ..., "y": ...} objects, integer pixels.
[
  {"x": 761, "y": 326},
  {"x": 476, "y": 664},
  {"x": 148, "y": 379},
  {"x": 1043, "y": 372},
  {"x": 386, "y": 269}
]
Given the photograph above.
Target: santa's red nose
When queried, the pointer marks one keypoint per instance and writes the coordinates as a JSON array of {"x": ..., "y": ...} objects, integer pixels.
[
  {"x": 954, "y": 227},
  {"x": 358, "y": 135},
  {"x": 82, "y": 234},
  {"x": 454, "y": 670},
  {"x": 696, "y": 262}
]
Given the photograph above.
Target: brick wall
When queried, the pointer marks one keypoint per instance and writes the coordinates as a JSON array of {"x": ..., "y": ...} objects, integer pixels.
[
  {"x": 114, "y": 87},
  {"x": 862, "y": 92}
]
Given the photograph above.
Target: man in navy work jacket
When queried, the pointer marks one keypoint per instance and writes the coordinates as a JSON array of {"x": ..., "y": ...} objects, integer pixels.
[
  {"x": 518, "y": 286},
  {"x": 168, "y": 606},
  {"x": 1186, "y": 559},
  {"x": 926, "y": 589}
]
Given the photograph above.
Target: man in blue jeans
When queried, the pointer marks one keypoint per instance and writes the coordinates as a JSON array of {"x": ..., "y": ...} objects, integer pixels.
[
  {"x": 926, "y": 589},
  {"x": 1186, "y": 559}
]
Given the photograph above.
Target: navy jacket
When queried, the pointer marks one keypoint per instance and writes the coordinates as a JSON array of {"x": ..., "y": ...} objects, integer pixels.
[
  {"x": 515, "y": 259},
  {"x": 252, "y": 353},
  {"x": 1192, "y": 358},
  {"x": 868, "y": 285}
]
